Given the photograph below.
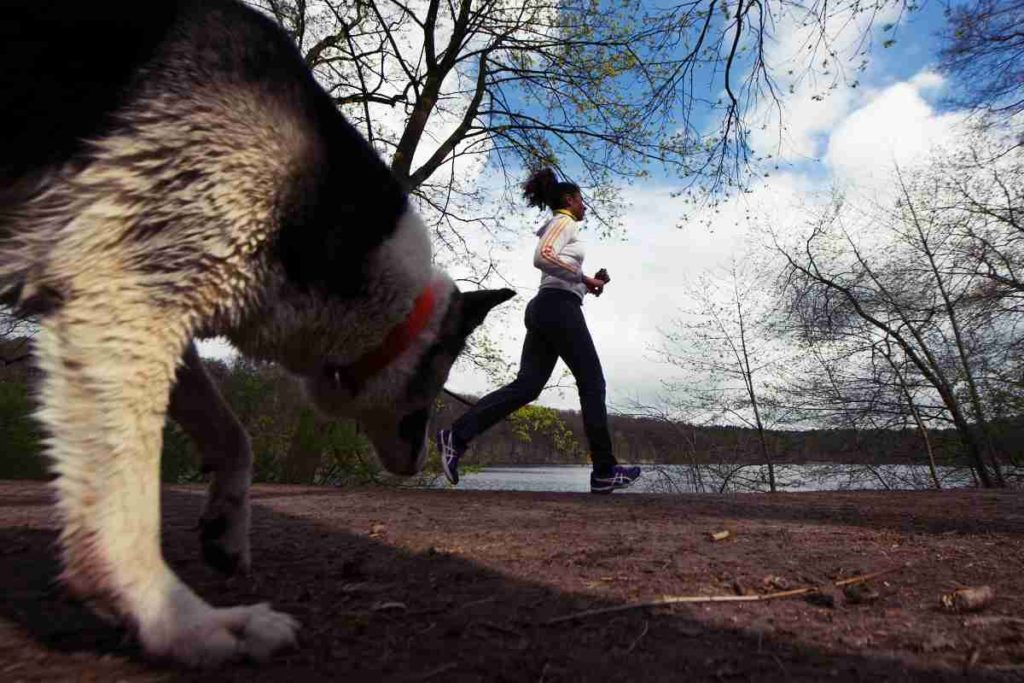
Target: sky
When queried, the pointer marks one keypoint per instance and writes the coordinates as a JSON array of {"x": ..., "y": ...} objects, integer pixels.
[{"x": 850, "y": 139}]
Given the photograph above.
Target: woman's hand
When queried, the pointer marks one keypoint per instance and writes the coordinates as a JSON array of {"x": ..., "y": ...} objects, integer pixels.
[{"x": 594, "y": 286}]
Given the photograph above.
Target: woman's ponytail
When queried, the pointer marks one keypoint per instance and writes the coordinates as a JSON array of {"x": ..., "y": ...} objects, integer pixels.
[{"x": 542, "y": 189}]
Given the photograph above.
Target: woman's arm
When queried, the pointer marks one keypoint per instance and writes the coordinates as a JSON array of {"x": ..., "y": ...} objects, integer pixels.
[{"x": 547, "y": 255}]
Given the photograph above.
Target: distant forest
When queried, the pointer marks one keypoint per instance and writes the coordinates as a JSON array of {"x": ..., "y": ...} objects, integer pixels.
[
  {"x": 649, "y": 440},
  {"x": 292, "y": 443}
]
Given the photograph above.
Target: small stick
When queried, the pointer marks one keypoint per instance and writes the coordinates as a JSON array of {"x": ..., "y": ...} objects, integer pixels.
[
  {"x": 436, "y": 672},
  {"x": 989, "y": 621},
  {"x": 690, "y": 599},
  {"x": 474, "y": 603},
  {"x": 638, "y": 638},
  {"x": 679, "y": 599},
  {"x": 864, "y": 577},
  {"x": 499, "y": 628}
]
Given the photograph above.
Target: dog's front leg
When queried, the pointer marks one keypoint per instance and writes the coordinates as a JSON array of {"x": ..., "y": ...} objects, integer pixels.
[
  {"x": 109, "y": 359},
  {"x": 198, "y": 407}
]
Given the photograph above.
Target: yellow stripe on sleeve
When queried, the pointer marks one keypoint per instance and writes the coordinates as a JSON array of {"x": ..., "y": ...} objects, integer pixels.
[{"x": 547, "y": 249}]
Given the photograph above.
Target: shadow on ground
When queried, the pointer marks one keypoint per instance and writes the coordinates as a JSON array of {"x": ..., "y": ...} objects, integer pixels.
[{"x": 371, "y": 611}]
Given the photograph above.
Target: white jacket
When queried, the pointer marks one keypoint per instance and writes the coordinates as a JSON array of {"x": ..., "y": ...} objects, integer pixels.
[{"x": 559, "y": 255}]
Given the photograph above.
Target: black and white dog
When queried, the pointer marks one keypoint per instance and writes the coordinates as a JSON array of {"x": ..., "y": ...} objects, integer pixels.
[{"x": 171, "y": 170}]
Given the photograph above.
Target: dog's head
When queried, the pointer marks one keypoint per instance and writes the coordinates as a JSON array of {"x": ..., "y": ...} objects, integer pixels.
[
  {"x": 390, "y": 390},
  {"x": 381, "y": 352},
  {"x": 350, "y": 300}
]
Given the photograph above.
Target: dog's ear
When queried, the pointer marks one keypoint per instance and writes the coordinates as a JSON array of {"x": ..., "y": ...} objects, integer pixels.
[{"x": 476, "y": 306}]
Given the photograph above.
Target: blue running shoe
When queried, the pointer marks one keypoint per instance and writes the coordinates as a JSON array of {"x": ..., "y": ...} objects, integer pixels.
[
  {"x": 620, "y": 477},
  {"x": 450, "y": 454}
]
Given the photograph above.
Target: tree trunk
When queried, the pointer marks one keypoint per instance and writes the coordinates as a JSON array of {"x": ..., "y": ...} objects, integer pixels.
[
  {"x": 972, "y": 387},
  {"x": 917, "y": 419}
]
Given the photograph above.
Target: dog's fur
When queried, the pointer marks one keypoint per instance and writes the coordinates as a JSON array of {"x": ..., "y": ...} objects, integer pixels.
[{"x": 171, "y": 170}]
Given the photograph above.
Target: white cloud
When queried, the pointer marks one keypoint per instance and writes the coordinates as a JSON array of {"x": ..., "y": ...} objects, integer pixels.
[
  {"x": 817, "y": 72},
  {"x": 896, "y": 126},
  {"x": 650, "y": 271},
  {"x": 855, "y": 135},
  {"x": 652, "y": 266}
]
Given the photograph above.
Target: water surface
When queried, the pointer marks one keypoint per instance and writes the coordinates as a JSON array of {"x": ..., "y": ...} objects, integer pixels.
[{"x": 718, "y": 478}]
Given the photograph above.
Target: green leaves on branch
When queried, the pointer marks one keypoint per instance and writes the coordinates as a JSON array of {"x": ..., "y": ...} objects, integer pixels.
[{"x": 535, "y": 421}]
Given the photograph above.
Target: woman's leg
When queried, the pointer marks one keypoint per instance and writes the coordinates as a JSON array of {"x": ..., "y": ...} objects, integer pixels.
[
  {"x": 567, "y": 331},
  {"x": 535, "y": 367}
]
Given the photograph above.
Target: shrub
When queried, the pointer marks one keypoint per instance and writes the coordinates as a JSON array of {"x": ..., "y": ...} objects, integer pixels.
[{"x": 20, "y": 434}]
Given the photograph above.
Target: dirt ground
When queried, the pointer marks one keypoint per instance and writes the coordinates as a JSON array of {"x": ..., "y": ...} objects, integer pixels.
[{"x": 459, "y": 586}]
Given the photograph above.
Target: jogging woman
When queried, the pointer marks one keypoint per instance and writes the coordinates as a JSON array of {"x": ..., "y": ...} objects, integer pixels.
[{"x": 555, "y": 328}]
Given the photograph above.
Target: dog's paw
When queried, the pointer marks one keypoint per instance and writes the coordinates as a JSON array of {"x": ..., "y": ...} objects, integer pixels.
[
  {"x": 224, "y": 535},
  {"x": 211, "y": 637}
]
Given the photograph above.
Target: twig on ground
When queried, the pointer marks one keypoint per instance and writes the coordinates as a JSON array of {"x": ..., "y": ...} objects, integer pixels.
[
  {"x": 692, "y": 599},
  {"x": 474, "y": 603},
  {"x": 427, "y": 611},
  {"x": 1014, "y": 668},
  {"x": 864, "y": 577},
  {"x": 993, "y": 620},
  {"x": 636, "y": 640},
  {"x": 778, "y": 662},
  {"x": 681, "y": 599},
  {"x": 436, "y": 672},
  {"x": 499, "y": 628}
]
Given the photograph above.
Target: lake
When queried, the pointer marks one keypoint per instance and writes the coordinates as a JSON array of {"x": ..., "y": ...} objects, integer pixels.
[{"x": 716, "y": 478}]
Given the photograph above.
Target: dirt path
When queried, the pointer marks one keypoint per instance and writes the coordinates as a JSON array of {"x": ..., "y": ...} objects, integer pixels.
[{"x": 457, "y": 586}]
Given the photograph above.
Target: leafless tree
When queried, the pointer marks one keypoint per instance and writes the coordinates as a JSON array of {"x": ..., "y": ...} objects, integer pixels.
[
  {"x": 15, "y": 337},
  {"x": 726, "y": 353},
  {"x": 906, "y": 291},
  {"x": 979, "y": 191},
  {"x": 605, "y": 91},
  {"x": 683, "y": 433},
  {"x": 445, "y": 89},
  {"x": 906, "y": 388},
  {"x": 984, "y": 51},
  {"x": 850, "y": 379},
  {"x": 982, "y": 188}
]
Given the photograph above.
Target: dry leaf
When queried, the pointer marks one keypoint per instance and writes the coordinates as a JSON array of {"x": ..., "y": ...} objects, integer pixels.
[
  {"x": 968, "y": 599},
  {"x": 937, "y": 642},
  {"x": 776, "y": 582}
]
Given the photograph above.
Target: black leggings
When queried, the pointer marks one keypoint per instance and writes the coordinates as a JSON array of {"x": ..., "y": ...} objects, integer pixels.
[{"x": 555, "y": 329}]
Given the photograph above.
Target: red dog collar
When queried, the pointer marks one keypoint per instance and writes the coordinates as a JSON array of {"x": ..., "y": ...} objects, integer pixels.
[{"x": 397, "y": 341}]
